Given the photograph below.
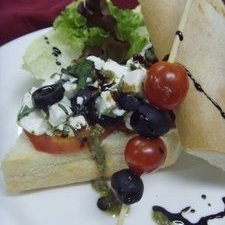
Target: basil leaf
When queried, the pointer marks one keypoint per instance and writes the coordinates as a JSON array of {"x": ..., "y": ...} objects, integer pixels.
[
  {"x": 81, "y": 71},
  {"x": 25, "y": 111},
  {"x": 63, "y": 108}
]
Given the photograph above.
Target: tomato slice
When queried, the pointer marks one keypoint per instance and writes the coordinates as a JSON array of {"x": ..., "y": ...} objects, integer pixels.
[{"x": 56, "y": 144}]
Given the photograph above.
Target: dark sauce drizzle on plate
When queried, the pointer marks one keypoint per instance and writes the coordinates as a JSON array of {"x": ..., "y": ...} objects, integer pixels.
[
  {"x": 180, "y": 34},
  {"x": 178, "y": 217},
  {"x": 55, "y": 51},
  {"x": 199, "y": 88}
]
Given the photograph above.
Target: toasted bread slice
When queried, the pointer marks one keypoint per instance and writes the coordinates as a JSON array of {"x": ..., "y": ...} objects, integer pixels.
[
  {"x": 201, "y": 117},
  {"x": 24, "y": 168}
]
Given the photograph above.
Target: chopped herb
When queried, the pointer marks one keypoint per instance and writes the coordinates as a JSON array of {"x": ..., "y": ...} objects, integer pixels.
[
  {"x": 63, "y": 108},
  {"x": 133, "y": 67},
  {"x": 47, "y": 113},
  {"x": 82, "y": 70},
  {"x": 120, "y": 85},
  {"x": 25, "y": 111},
  {"x": 66, "y": 130},
  {"x": 108, "y": 75}
]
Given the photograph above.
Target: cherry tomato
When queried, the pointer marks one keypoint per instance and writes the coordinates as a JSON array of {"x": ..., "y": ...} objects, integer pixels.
[
  {"x": 127, "y": 4},
  {"x": 166, "y": 85},
  {"x": 145, "y": 155},
  {"x": 55, "y": 144}
]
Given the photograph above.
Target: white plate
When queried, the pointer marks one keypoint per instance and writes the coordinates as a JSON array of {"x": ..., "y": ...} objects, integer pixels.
[{"x": 174, "y": 188}]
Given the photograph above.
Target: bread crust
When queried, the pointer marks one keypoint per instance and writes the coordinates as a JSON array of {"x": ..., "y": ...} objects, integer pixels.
[{"x": 24, "y": 168}]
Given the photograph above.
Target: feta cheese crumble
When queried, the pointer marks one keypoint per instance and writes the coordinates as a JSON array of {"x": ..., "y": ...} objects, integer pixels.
[{"x": 59, "y": 112}]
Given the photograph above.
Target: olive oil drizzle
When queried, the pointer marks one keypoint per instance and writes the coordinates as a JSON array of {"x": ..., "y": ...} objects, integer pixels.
[
  {"x": 171, "y": 217},
  {"x": 199, "y": 88}
]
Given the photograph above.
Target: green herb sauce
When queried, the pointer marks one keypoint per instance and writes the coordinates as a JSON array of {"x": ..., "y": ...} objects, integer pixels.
[
  {"x": 100, "y": 185},
  {"x": 161, "y": 219}
]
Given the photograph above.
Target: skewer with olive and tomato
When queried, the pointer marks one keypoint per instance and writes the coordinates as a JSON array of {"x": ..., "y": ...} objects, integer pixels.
[{"x": 165, "y": 88}]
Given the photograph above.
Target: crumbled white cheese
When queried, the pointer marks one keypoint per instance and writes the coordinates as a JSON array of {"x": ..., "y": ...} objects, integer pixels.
[
  {"x": 134, "y": 79},
  {"x": 80, "y": 100},
  {"x": 118, "y": 112},
  {"x": 146, "y": 47},
  {"x": 97, "y": 61},
  {"x": 67, "y": 77},
  {"x": 95, "y": 84},
  {"x": 34, "y": 123},
  {"x": 59, "y": 112},
  {"x": 127, "y": 121},
  {"x": 51, "y": 81},
  {"x": 78, "y": 122},
  {"x": 27, "y": 99},
  {"x": 118, "y": 70},
  {"x": 132, "y": 62},
  {"x": 105, "y": 102},
  {"x": 70, "y": 89},
  {"x": 89, "y": 79}
]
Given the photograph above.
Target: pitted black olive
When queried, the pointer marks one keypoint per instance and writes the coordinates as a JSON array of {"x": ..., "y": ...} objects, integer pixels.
[
  {"x": 48, "y": 95},
  {"x": 104, "y": 121},
  {"x": 80, "y": 101},
  {"x": 129, "y": 102},
  {"x": 150, "y": 122},
  {"x": 127, "y": 186}
]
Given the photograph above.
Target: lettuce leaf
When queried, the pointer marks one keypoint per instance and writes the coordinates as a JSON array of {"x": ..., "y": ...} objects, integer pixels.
[
  {"x": 75, "y": 29},
  {"x": 79, "y": 32},
  {"x": 131, "y": 27}
]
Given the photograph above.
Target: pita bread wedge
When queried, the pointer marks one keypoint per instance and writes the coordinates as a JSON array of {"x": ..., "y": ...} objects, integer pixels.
[{"x": 201, "y": 117}]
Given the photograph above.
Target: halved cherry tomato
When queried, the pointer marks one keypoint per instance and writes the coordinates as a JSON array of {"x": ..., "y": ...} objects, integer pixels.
[
  {"x": 145, "y": 155},
  {"x": 166, "y": 85},
  {"x": 56, "y": 144}
]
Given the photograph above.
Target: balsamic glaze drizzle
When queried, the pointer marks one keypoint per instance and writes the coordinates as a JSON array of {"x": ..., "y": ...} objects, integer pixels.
[
  {"x": 180, "y": 34},
  {"x": 55, "y": 51},
  {"x": 200, "y": 89},
  {"x": 179, "y": 216}
]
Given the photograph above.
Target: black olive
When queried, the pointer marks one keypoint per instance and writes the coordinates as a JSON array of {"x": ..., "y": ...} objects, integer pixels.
[
  {"x": 127, "y": 186},
  {"x": 103, "y": 120},
  {"x": 86, "y": 95},
  {"x": 48, "y": 95},
  {"x": 150, "y": 122},
  {"x": 129, "y": 102}
]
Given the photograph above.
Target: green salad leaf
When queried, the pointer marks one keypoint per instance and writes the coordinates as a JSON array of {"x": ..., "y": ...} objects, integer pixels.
[
  {"x": 78, "y": 32},
  {"x": 75, "y": 29}
]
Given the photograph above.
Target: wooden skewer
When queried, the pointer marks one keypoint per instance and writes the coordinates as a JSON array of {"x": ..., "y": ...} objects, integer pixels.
[
  {"x": 179, "y": 34},
  {"x": 122, "y": 214},
  {"x": 172, "y": 57}
]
